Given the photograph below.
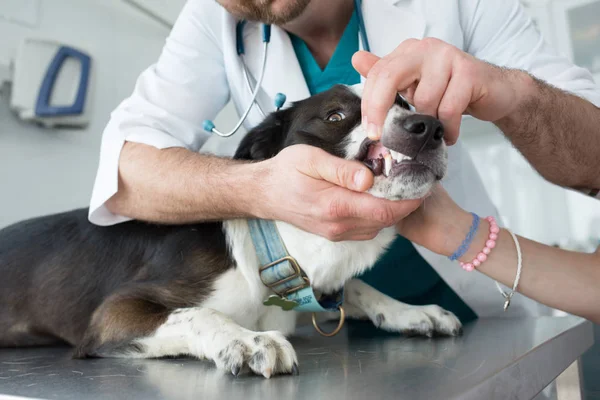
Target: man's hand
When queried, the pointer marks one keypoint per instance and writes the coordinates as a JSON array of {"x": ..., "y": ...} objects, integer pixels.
[
  {"x": 322, "y": 194},
  {"x": 439, "y": 80}
]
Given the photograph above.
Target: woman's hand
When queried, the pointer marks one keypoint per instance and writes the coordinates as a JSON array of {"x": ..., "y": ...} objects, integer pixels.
[
  {"x": 566, "y": 280},
  {"x": 439, "y": 225}
]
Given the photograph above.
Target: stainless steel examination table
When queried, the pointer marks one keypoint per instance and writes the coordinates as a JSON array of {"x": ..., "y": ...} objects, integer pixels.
[{"x": 494, "y": 359}]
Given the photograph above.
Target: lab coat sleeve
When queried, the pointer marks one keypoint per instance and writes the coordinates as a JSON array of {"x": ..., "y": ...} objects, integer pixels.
[
  {"x": 170, "y": 100},
  {"x": 501, "y": 32}
]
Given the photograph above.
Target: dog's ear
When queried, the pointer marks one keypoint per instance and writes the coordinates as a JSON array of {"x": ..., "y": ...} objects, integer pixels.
[{"x": 266, "y": 139}]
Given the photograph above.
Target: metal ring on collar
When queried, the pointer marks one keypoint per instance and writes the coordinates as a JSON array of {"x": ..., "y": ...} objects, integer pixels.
[{"x": 336, "y": 330}]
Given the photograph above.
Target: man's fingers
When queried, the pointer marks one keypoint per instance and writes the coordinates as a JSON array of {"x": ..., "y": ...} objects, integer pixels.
[
  {"x": 453, "y": 105},
  {"x": 363, "y": 61},
  {"x": 409, "y": 93},
  {"x": 432, "y": 85},
  {"x": 363, "y": 236},
  {"x": 364, "y": 69},
  {"x": 379, "y": 212},
  {"x": 404, "y": 208},
  {"x": 354, "y": 233},
  {"x": 347, "y": 174},
  {"x": 386, "y": 82}
]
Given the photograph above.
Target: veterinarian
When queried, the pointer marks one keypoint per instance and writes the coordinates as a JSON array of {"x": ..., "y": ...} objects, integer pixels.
[{"x": 442, "y": 55}]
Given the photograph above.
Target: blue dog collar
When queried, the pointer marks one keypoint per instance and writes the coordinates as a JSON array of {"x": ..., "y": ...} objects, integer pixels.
[{"x": 281, "y": 273}]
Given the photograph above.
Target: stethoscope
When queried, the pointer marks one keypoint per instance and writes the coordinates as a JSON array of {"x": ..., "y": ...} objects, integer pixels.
[{"x": 280, "y": 98}]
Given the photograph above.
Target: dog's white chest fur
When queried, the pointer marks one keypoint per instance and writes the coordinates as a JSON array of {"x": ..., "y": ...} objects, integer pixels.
[
  {"x": 330, "y": 264},
  {"x": 239, "y": 292}
]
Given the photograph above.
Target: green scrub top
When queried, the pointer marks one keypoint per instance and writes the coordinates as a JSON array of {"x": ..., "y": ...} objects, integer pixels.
[{"x": 401, "y": 273}]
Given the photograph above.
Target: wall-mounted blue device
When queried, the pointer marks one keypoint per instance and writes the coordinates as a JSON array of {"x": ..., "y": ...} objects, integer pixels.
[{"x": 51, "y": 84}]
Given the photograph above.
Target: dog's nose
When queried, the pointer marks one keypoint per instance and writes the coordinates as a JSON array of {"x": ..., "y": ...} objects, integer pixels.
[
  {"x": 414, "y": 134},
  {"x": 428, "y": 130}
]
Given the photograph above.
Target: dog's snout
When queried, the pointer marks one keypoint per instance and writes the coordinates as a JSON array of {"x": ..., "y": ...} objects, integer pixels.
[
  {"x": 428, "y": 128},
  {"x": 413, "y": 134}
]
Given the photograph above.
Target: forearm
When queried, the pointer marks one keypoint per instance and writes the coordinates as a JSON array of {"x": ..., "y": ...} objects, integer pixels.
[
  {"x": 561, "y": 279},
  {"x": 557, "y": 132},
  {"x": 179, "y": 186}
]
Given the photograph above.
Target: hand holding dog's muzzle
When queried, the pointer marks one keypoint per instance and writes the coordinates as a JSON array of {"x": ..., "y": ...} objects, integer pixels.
[
  {"x": 324, "y": 195},
  {"x": 439, "y": 80}
]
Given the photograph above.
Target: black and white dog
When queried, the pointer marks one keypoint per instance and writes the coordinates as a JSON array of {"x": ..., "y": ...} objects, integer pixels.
[{"x": 145, "y": 290}]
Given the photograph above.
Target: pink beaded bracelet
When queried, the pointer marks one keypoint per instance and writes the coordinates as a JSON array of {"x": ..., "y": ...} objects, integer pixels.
[{"x": 489, "y": 245}]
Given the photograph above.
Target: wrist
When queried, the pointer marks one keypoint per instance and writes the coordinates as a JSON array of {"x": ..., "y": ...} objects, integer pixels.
[
  {"x": 462, "y": 227},
  {"x": 455, "y": 232},
  {"x": 479, "y": 242},
  {"x": 254, "y": 193},
  {"x": 526, "y": 93},
  {"x": 243, "y": 191}
]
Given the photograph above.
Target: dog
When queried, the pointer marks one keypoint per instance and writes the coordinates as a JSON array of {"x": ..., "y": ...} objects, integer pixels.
[{"x": 148, "y": 290}]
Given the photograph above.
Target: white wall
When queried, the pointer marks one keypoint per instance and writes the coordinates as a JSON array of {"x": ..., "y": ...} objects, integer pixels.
[{"x": 44, "y": 171}]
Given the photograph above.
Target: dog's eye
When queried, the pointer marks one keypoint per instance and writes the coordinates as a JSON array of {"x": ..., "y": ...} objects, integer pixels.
[{"x": 335, "y": 117}]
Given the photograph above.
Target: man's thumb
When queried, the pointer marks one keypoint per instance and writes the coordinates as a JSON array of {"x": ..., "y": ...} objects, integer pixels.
[
  {"x": 363, "y": 61},
  {"x": 348, "y": 174}
]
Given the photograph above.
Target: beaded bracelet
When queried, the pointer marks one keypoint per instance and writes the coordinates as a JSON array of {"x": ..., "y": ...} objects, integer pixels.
[
  {"x": 483, "y": 255},
  {"x": 489, "y": 245}
]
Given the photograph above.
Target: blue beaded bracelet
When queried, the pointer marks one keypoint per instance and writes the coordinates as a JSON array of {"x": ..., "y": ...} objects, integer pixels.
[{"x": 467, "y": 242}]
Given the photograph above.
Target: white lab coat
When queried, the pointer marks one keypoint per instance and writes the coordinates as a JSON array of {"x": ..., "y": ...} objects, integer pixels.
[{"x": 199, "y": 71}]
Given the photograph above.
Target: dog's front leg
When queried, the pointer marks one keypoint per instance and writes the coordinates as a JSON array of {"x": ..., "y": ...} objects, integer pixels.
[
  {"x": 130, "y": 327},
  {"x": 391, "y": 315},
  {"x": 208, "y": 334}
]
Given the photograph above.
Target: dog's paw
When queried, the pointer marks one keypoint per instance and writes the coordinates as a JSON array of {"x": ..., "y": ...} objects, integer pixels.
[
  {"x": 417, "y": 321},
  {"x": 265, "y": 353}
]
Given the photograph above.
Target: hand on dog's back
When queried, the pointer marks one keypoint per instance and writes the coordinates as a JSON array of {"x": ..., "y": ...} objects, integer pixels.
[{"x": 323, "y": 194}]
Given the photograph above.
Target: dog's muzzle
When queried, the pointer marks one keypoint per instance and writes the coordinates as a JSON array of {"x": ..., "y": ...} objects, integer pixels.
[{"x": 404, "y": 147}]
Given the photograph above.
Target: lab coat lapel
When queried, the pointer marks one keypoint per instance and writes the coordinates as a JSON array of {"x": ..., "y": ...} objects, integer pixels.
[{"x": 389, "y": 22}]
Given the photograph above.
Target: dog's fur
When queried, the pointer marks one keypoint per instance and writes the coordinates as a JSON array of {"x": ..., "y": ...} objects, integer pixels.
[{"x": 143, "y": 290}]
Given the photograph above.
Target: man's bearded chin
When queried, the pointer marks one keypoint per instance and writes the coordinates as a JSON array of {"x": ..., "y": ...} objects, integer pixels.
[{"x": 265, "y": 11}]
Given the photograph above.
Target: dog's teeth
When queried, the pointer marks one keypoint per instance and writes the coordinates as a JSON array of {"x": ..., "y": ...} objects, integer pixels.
[
  {"x": 387, "y": 168},
  {"x": 399, "y": 157}
]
